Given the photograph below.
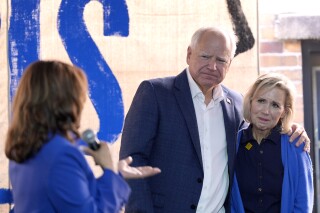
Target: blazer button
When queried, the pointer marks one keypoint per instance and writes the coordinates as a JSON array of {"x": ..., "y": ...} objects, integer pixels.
[
  {"x": 199, "y": 180},
  {"x": 193, "y": 206}
]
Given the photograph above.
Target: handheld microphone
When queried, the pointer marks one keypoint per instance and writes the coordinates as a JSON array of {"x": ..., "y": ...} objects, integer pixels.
[{"x": 90, "y": 138}]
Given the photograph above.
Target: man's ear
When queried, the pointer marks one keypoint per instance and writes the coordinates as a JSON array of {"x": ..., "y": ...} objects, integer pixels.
[
  {"x": 229, "y": 63},
  {"x": 189, "y": 50}
]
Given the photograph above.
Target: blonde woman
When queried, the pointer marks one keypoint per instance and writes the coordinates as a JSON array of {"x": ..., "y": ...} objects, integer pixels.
[{"x": 271, "y": 174}]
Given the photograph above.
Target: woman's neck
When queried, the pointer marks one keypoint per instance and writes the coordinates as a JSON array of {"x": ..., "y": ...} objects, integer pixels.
[{"x": 259, "y": 135}]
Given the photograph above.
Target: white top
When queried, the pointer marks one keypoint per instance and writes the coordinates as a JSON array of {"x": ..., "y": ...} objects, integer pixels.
[{"x": 213, "y": 149}]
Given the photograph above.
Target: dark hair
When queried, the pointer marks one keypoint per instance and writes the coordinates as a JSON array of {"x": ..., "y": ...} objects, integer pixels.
[{"x": 49, "y": 100}]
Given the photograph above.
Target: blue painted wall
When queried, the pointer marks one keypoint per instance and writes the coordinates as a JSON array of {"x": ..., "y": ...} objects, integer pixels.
[{"x": 104, "y": 90}]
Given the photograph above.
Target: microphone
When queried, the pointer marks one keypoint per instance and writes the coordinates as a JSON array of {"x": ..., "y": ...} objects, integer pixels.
[{"x": 90, "y": 138}]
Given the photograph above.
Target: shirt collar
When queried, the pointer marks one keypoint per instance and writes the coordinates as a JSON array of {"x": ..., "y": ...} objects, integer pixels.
[
  {"x": 274, "y": 136},
  {"x": 217, "y": 94}
]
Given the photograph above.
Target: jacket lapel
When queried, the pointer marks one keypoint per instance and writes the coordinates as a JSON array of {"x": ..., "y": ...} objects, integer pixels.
[
  {"x": 231, "y": 130},
  {"x": 184, "y": 99}
]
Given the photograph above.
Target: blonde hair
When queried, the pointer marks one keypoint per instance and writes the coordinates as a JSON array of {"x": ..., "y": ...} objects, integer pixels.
[{"x": 269, "y": 81}]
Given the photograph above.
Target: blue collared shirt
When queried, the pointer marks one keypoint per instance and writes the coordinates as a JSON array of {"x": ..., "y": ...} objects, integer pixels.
[{"x": 259, "y": 170}]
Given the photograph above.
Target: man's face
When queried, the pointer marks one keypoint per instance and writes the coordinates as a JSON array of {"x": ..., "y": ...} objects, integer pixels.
[{"x": 209, "y": 61}]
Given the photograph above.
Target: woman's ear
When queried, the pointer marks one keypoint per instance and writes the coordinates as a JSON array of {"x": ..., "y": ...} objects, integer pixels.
[{"x": 284, "y": 113}]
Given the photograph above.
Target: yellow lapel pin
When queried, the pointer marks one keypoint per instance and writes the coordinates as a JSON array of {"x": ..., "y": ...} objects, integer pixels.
[{"x": 248, "y": 146}]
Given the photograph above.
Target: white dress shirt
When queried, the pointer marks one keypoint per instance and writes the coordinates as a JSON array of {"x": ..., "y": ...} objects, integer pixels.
[{"x": 213, "y": 149}]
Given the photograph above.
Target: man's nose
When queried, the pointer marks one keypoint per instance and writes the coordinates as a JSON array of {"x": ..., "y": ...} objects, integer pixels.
[{"x": 213, "y": 63}]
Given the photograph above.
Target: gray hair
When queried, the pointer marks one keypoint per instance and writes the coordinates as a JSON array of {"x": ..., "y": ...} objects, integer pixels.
[{"x": 219, "y": 31}]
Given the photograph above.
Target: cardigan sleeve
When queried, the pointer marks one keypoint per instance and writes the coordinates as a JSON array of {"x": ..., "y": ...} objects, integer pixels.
[
  {"x": 236, "y": 201},
  {"x": 304, "y": 195},
  {"x": 297, "y": 187},
  {"x": 72, "y": 187}
]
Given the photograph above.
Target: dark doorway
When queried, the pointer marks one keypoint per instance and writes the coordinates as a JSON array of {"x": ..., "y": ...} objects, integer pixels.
[{"x": 311, "y": 99}]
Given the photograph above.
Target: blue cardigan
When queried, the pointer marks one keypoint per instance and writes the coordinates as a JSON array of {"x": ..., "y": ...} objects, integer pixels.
[
  {"x": 59, "y": 179},
  {"x": 297, "y": 186}
]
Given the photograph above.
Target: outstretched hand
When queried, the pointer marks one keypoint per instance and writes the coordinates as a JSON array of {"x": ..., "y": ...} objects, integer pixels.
[
  {"x": 129, "y": 172},
  {"x": 298, "y": 131}
]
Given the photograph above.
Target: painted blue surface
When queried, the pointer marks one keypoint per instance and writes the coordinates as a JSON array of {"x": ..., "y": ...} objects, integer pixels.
[
  {"x": 24, "y": 38},
  {"x": 24, "y": 47},
  {"x": 105, "y": 92},
  {"x": 5, "y": 196},
  {"x": 104, "y": 89}
]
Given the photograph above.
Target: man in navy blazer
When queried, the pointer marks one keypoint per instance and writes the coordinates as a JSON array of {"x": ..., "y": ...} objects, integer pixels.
[
  {"x": 187, "y": 126},
  {"x": 161, "y": 129}
]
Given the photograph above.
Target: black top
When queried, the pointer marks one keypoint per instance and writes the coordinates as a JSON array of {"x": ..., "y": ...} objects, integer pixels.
[{"x": 259, "y": 172}]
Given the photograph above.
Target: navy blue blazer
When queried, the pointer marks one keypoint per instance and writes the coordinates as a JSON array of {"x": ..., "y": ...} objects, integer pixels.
[{"x": 161, "y": 130}]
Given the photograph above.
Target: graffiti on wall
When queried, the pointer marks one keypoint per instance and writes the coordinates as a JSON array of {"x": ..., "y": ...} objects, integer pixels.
[{"x": 104, "y": 90}]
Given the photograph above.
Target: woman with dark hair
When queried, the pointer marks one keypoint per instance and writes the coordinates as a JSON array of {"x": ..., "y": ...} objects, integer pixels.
[
  {"x": 47, "y": 170},
  {"x": 271, "y": 174}
]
